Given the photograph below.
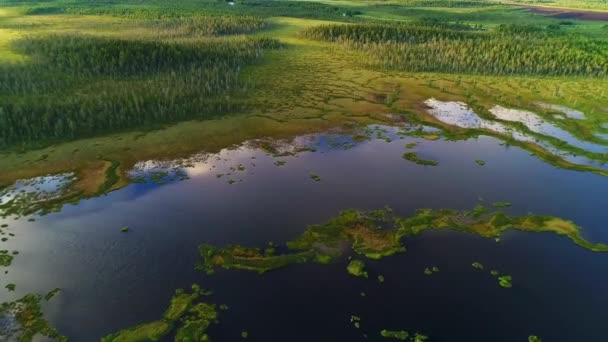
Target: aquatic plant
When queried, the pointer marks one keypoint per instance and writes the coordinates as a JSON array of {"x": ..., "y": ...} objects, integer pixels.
[
  {"x": 505, "y": 281},
  {"x": 395, "y": 334},
  {"x": 428, "y": 271},
  {"x": 185, "y": 311},
  {"x": 477, "y": 265},
  {"x": 403, "y": 335},
  {"x": 52, "y": 294},
  {"x": 533, "y": 338},
  {"x": 380, "y": 233},
  {"x": 357, "y": 268},
  {"x": 10, "y": 287},
  {"x": 413, "y": 157},
  {"x": 27, "y": 313},
  {"x": 5, "y": 259},
  {"x": 251, "y": 259},
  {"x": 480, "y": 162}
]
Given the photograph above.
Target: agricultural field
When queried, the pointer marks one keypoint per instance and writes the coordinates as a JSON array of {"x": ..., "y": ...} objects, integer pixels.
[{"x": 387, "y": 161}]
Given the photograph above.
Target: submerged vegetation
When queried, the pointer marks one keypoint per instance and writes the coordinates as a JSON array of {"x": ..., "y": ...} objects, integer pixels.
[
  {"x": 413, "y": 157},
  {"x": 380, "y": 233}
]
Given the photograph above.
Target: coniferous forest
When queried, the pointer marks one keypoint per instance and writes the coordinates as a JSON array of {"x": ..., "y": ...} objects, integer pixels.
[{"x": 453, "y": 48}]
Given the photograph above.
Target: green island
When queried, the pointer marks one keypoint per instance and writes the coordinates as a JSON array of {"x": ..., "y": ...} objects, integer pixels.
[
  {"x": 413, "y": 157},
  {"x": 430, "y": 270},
  {"x": 380, "y": 233},
  {"x": 357, "y": 268},
  {"x": 505, "y": 281},
  {"x": 187, "y": 316},
  {"x": 403, "y": 335},
  {"x": 5, "y": 258}
]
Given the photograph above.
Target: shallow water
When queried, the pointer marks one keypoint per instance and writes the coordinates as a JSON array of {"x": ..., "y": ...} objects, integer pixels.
[
  {"x": 569, "y": 112},
  {"x": 112, "y": 280},
  {"x": 39, "y": 188},
  {"x": 538, "y": 125},
  {"x": 459, "y": 114}
]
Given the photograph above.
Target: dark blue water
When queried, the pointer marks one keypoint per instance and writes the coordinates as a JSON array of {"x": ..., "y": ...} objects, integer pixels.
[{"x": 112, "y": 280}]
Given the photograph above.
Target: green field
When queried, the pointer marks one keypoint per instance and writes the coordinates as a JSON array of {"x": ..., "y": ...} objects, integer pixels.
[{"x": 84, "y": 83}]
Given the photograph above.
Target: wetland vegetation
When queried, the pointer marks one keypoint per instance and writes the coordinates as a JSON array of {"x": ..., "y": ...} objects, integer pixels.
[
  {"x": 99, "y": 96},
  {"x": 367, "y": 234},
  {"x": 187, "y": 314},
  {"x": 23, "y": 319}
]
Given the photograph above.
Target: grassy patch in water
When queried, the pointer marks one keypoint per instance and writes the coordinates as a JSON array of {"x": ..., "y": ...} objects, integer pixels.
[
  {"x": 52, "y": 294},
  {"x": 357, "y": 268},
  {"x": 477, "y": 265},
  {"x": 191, "y": 317},
  {"x": 413, "y": 157},
  {"x": 5, "y": 259},
  {"x": 505, "y": 281},
  {"x": 244, "y": 258},
  {"x": 380, "y": 233},
  {"x": 27, "y": 313},
  {"x": 403, "y": 335}
]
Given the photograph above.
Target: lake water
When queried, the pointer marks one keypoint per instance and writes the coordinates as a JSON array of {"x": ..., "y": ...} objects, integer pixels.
[{"x": 113, "y": 280}]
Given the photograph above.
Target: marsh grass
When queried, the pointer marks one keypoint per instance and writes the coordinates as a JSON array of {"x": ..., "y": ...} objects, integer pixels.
[{"x": 362, "y": 231}]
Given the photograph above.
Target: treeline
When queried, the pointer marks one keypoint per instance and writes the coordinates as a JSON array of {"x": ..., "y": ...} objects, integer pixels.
[
  {"x": 207, "y": 25},
  {"x": 509, "y": 49},
  {"x": 391, "y": 33},
  {"x": 90, "y": 56},
  {"x": 155, "y": 9},
  {"x": 82, "y": 85},
  {"x": 445, "y": 3}
]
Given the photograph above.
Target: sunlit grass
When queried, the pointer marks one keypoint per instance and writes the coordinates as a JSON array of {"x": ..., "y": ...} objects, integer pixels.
[{"x": 308, "y": 87}]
